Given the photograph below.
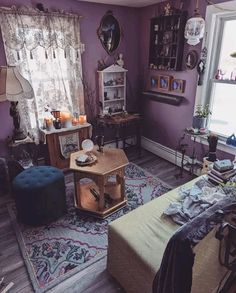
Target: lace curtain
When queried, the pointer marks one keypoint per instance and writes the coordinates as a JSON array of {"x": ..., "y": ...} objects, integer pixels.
[{"x": 46, "y": 48}]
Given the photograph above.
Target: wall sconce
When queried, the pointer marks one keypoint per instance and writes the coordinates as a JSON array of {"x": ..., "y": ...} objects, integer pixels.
[
  {"x": 195, "y": 28},
  {"x": 13, "y": 87}
]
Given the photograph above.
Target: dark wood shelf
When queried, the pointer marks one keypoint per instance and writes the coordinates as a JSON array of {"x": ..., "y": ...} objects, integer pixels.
[{"x": 167, "y": 38}]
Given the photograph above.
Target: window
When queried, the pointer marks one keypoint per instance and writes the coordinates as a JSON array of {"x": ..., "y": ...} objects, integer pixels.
[
  {"x": 46, "y": 48},
  {"x": 219, "y": 85}
]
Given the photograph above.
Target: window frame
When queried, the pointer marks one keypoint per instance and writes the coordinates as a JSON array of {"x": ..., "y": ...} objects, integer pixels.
[{"x": 215, "y": 21}]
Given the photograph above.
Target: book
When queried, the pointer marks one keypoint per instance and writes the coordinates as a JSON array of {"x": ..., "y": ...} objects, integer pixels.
[
  {"x": 216, "y": 179},
  {"x": 224, "y": 175},
  {"x": 213, "y": 181},
  {"x": 223, "y": 165}
]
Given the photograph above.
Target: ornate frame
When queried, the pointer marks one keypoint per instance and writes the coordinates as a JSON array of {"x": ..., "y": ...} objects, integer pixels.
[
  {"x": 177, "y": 85},
  {"x": 109, "y": 32},
  {"x": 164, "y": 82}
]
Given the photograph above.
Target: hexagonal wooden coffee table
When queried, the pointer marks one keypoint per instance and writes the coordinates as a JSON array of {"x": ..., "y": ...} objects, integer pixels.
[{"x": 106, "y": 192}]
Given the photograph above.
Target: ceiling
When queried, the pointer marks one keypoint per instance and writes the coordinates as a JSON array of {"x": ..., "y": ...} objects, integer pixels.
[{"x": 130, "y": 3}]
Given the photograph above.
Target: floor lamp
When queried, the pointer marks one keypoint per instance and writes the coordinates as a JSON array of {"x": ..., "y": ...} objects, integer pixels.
[{"x": 14, "y": 87}]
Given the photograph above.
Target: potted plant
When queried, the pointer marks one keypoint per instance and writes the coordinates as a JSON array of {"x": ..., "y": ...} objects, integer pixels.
[{"x": 200, "y": 116}]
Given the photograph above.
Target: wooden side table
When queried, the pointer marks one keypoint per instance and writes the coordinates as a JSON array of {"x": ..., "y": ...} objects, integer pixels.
[
  {"x": 100, "y": 197},
  {"x": 52, "y": 139},
  {"x": 120, "y": 123}
]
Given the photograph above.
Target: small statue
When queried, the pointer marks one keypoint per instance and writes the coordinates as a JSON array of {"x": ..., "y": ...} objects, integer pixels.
[
  {"x": 15, "y": 115},
  {"x": 120, "y": 60},
  {"x": 101, "y": 64},
  {"x": 100, "y": 142},
  {"x": 167, "y": 9}
]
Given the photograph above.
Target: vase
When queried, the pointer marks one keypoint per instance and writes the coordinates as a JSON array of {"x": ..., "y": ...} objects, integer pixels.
[{"x": 199, "y": 122}]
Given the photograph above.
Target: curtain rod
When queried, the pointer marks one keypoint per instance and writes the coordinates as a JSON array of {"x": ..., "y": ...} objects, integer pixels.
[{"x": 35, "y": 12}]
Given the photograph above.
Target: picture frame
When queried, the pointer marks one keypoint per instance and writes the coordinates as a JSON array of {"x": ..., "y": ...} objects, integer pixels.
[
  {"x": 177, "y": 85},
  {"x": 154, "y": 82},
  {"x": 109, "y": 32},
  {"x": 164, "y": 82},
  {"x": 191, "y": 59}
]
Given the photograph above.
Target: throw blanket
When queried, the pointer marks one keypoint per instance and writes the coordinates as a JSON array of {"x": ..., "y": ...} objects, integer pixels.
[
  {"x": 194, "y": 201},
  {"x": 175, "y": 273}
]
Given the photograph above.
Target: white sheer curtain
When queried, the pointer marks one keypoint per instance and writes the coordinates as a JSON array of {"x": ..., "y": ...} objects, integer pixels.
[{"x": 46, "y": 48}]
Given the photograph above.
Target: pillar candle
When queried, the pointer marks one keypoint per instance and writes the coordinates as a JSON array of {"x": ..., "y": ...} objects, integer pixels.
[
  {"x": 66, "y": 119},
  {"x": 82, "y": 119},
  {"x": 75, "y": 121},
  {"x": 49, "y": 123}
]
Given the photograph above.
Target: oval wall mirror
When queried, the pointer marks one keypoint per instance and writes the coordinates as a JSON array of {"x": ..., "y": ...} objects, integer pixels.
[{"x": 109, "y": 32}]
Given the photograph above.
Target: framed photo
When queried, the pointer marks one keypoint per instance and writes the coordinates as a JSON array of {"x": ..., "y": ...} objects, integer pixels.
[
  {"x": 154, "y": 81},
  {"x": 177, "y": 85},
  {"x": 164, "y": 82},
  {"x": 191, "y": 59}
]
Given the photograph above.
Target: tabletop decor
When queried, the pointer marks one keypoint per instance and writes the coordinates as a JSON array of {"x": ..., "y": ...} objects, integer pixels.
[
  {"x": 55, "y": 252},
  {"x": 16, "y": 89},
  {"x": 87, "y": 145},
  {"x": 200, "y": 117}
]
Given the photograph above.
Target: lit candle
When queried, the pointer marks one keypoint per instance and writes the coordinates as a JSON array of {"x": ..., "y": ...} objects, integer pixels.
[
  {"x": 66, "y": 119},
  {"x": 49, "y": 123},
  {"x": 75, "y": 121},
  {"x": 82, "y": 119}
]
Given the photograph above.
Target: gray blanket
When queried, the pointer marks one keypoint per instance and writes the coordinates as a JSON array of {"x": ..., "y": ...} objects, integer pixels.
[{"x": 195, "y": 200}]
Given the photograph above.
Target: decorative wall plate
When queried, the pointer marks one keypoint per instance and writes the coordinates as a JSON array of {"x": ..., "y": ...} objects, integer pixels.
[
  {"x": 87, "y": 145},
  {"x": 194, "y": 30},
  {"x": 191, "y": 59}
]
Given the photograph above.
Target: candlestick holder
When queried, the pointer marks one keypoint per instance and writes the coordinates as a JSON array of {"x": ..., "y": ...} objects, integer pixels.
[{"x": 100, "y": 142}]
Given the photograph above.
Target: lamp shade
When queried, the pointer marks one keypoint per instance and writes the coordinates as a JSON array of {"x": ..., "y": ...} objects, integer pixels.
[{"x": 13, "y": 86}]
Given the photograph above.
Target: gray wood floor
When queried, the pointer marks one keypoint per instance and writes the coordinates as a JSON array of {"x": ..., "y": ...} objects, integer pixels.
[{"x": 94, "y": 278}]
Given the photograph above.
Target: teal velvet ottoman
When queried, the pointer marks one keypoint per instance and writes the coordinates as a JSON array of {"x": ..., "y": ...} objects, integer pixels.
[{"x": 40, "y": 195}]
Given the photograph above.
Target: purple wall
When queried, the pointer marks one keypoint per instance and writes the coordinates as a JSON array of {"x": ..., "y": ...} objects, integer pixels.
[
  {"x": 92, "y": 14},
  {"x": 165, "y": 123}
]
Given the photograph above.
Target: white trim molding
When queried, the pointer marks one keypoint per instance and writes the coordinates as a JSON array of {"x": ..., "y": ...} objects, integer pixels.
[
  {"x": 173, "y": 156},
  {"x": 161, "y": 151},
  {"x": 221, "y": 145}
]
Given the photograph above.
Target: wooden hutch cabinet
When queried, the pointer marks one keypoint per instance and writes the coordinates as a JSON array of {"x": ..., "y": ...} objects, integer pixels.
[
  {"x": 52, "y": 139},
  {"x": 167, "y": 41}
]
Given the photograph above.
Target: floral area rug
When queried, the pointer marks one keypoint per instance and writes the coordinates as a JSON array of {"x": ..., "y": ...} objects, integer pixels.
[{"x": 55, "y": 252}]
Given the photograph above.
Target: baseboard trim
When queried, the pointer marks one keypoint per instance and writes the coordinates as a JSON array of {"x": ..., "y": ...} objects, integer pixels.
[{"x": 173, "y": 156}]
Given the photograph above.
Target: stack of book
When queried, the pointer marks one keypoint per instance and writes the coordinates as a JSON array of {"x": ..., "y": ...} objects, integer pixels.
[{"x": 222, "y": 171}]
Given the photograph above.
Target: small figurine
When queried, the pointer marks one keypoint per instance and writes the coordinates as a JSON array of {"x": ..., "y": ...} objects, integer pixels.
[
  {"x": 101, "y": 64},
  {"x": 167, "y": 9},
  {"x": 120, "y": 60}
]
